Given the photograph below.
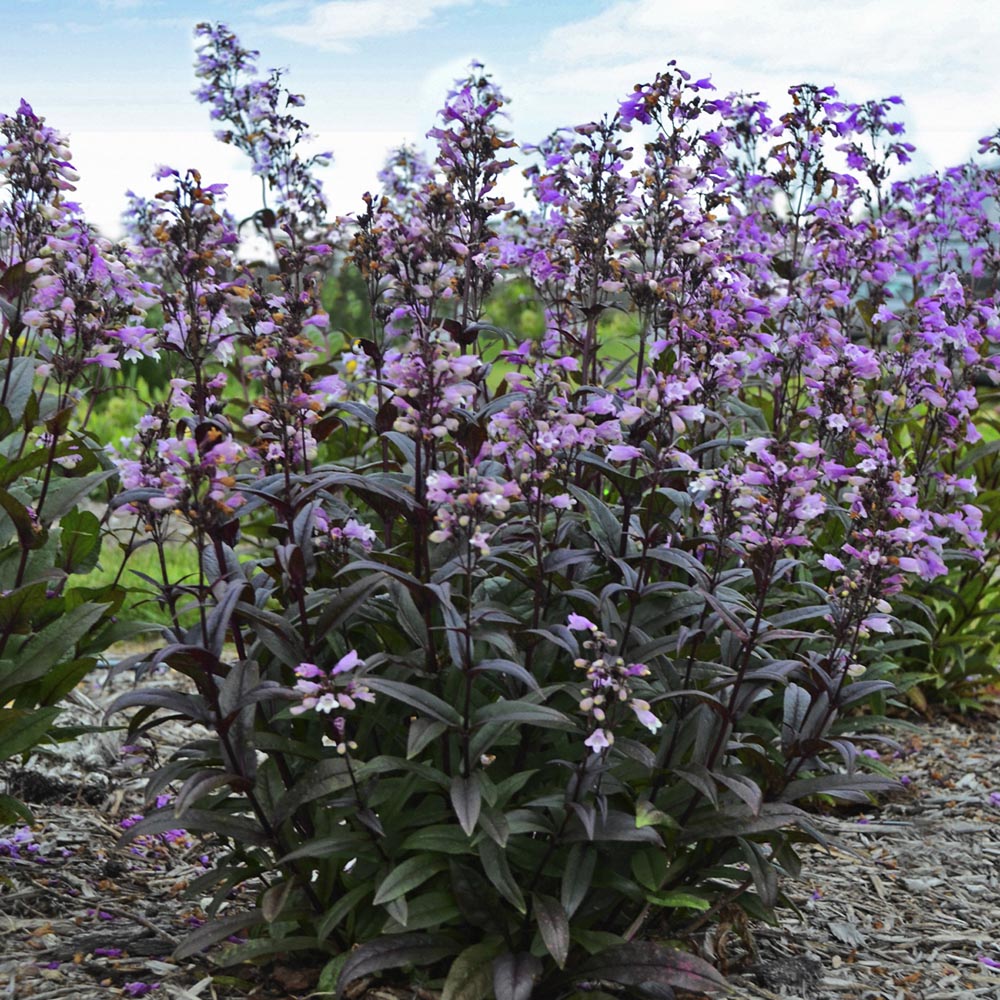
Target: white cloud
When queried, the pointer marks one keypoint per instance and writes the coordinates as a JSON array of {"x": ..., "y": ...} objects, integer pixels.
[
  {"x": 335, "y": 24},
  {"x": 888, "y": 39},
  {"x": 939, "y": 57},
  {"x": 125, "y": 4}
]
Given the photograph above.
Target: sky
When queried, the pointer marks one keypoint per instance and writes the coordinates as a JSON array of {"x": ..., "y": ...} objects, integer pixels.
[{"x": 116, "y": 75}]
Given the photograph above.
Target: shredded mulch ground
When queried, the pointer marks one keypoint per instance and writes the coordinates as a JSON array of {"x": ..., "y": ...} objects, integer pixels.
[{"x": 905, "y": 905}]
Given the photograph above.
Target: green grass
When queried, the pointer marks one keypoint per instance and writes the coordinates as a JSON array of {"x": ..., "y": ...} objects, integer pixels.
[{"x": 143, "y": 602}]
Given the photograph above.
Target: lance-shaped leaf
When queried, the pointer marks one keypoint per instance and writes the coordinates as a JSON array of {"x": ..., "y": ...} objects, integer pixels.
[
  {"x": 514, "y": 976},
  {"x": 523, "y": 712},
  {"x": 471, "y": 974},
  {"x": 773, "y": 816},
  {"x": 466, "y": 800},
  {"x": 616, "y": 825},
  {"x": 391, "y": 951},
  {"x": 217, "y": 929},
  {"x": 406, "y": 876},
  {"x": 21, "y": 728},
  {"x": 797, "y": 702},
  {"x": 848, "y": 787},
  {"x": 578, "y": 873},
  {"x": 416, "y": 697},
  {"x": 553, "y": 925},
  {"x": 645, "y": 962},
  {"x": 188, "y": 706},
  {"x": 327, "y": 776},
  {"x": 238, "y": 828},
  {"x": 498, "y": 871}
]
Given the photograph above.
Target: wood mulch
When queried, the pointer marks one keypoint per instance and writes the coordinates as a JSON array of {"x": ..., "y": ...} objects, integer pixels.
[{"x": 905, "y": 906}]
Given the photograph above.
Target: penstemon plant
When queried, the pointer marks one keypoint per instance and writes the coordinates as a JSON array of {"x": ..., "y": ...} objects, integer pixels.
[
  {"x": 71, "y": 315},
  {"x": 520, "y": 659}
]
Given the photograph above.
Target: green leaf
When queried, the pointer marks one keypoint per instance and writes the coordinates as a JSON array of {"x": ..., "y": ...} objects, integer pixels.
[
  {"x": 498, "y": 871},
  {"x": 27, "y": 536},
  {"x": 61, "y": 679},
  {"x": 79, "y": 541},
  {"x": 421, "y": 733},
  {"x": 65, "y": 494},
  {"x": 406, "y": 876},
  {"x": 494, "y": 824},
  {"x": 594, "y": 942},
  {"x": 416, "y": 697},
  {"x": 647, "y": 815},
  {"x": 649, "y": 868},
  {"x": 466, "y": 800},
  {"x": 11, "y": 810},
  {"x": 21, "y": 729},
  {"x": 508, "y": 667},
  {"x": 429, "y": 910},
  {"x": 325, "y": 777},
  {"x": 259, "y": 948},
  {"x": 471, "y": 974},
  {"x": 520, "y": 711},
  {"x": 344, "y": 843},
  {"x": 347, "y": 903},
  {"x": 19, "y": 388},
  {"x": 577, "y": 876},
  {"x": 475, "y": 897},
  {"x": 601, "y": 523},
  {"x": 55, "y": 641},
  {"x": 679, "y": 900},
  {"x": 617, "y": 826},
  {"x": 445, "y": 838},
  {"x": 19, "y": 608}
]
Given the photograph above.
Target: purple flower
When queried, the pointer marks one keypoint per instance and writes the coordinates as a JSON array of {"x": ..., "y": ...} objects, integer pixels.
[
  {"x": 623, "y": 453},
  {"x": 599, "y": 740},
  {"x": 580, "y": 624},
  {"x": 139, "y": 989}
]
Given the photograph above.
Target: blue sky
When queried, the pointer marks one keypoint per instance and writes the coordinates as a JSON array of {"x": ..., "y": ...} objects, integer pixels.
[{"x": 116, "y": 74}]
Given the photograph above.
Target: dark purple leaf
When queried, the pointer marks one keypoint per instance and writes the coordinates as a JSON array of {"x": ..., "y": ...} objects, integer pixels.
[
  {"x": 217, "y": 929},
  {"x": 578, "y": 873},
  {"x": 391, "y": 951},
  {"x": 553, "y": 925},
  {"x": 645, "y": 962},
  {"x": 514, "y": 976}
]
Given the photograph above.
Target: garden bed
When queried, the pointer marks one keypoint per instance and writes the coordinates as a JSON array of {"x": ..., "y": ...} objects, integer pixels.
[{"x": 904, "y": 907}]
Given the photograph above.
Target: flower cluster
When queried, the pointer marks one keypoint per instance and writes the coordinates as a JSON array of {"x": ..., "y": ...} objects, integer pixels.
[
  {"x": 78, "y": 301},
  {"x": 465, "y": 504},
  {"x": 260, "y": 124},
  {"x": 330, "y": 694},
  {"x": 608, "y": 685},
  {"x": 431, "y": 377}
]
